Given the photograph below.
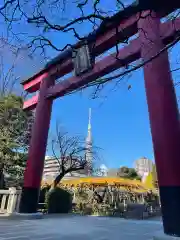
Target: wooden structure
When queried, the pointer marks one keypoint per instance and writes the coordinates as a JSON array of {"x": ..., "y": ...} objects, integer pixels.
[{"x": 149, "y": 45}]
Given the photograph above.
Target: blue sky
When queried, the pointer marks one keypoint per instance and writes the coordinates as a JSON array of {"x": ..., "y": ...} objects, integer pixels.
[{"x": 120, "y": 123}]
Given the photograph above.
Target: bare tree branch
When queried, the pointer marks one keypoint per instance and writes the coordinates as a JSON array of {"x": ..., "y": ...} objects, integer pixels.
[
  {"x": 70, "y": 153},
  {"x": 9, "y": 82},
  {"x": 45, "y": 17},
  {"x": 6, "y": 4}
]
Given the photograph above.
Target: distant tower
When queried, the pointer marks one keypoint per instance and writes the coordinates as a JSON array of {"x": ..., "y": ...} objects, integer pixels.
[{"x": 89, "y": 157}]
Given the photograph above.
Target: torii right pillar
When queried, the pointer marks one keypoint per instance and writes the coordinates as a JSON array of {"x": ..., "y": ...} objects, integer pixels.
[{"x": 164, "y": 119}]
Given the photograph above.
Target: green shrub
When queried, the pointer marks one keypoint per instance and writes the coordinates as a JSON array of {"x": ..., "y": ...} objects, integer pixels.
[
  {"x": 59, "y": 201},
  {"x": 81, "y": 201}
]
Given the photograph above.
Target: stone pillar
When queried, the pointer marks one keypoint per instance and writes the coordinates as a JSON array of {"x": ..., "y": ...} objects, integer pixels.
[
  {"x": 37, "y": 150},
  {"x": 164, "y": 120}
]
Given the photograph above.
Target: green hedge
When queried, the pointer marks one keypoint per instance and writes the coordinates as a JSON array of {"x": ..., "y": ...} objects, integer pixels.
[{"x": 59, "y": 201}]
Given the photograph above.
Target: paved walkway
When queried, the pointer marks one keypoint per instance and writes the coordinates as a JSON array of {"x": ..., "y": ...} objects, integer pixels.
[{"x": 78, "y": 228}]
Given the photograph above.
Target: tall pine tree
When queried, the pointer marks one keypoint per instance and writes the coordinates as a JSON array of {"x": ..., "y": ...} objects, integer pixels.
[{"x": 15, "y": 132}]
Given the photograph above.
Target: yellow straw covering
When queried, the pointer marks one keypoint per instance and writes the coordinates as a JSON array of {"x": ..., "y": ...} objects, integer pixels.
[{"x": 135, "y": 185}]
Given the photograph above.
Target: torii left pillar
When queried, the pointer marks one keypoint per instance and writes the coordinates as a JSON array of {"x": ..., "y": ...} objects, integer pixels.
[{"x": 37, "y": 150}]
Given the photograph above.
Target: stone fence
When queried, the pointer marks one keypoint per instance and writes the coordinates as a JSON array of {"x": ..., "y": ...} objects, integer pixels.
[{"x": 9, "y": 201}]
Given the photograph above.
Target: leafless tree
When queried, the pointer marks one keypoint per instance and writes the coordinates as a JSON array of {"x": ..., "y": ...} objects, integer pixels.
[
  {"x": 74, "y": 20},
  {"x": 8, "y": 79},
  {"x": 68, "y": 18},
  {"x": 71, "y": 154},
  {"x": 9, "y": 63}
]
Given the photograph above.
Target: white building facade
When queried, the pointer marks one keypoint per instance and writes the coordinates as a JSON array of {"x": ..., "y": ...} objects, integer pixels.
[
  {"x": 51, "y": 168},
  {"x": 143, "y": 166},
  {"x": 102, "y": 171}
]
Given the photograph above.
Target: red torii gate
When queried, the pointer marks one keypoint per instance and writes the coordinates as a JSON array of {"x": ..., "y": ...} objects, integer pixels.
[{"x": 161, "y": 99}]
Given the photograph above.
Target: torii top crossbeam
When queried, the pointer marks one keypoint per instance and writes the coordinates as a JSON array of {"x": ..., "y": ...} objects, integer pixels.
[{"x": 124, "y": 23}]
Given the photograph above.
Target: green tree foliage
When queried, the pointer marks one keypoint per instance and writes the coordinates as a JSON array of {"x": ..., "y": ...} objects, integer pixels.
[
  {"x": 129, "y": 173},
  {"x": 15, "y": 128}
]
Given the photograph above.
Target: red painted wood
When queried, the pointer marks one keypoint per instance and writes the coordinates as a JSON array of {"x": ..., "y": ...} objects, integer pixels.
[
  {"x": 108, "y": 40},
  {"x": 103, "y": 43},
  {"x": 162, "y": 104},
  {"x": 35, "y": 83},
  {"x": 31, "y": 103},
  {"x": 168, "y": 31},
  {"x": 35, "y": 162},
  {"x": 101, "y": 68},
  {"x": 128, "y": 54}
]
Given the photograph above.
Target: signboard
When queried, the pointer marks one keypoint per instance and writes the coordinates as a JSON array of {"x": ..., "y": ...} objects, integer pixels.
[{"x": 82, "y": 60}]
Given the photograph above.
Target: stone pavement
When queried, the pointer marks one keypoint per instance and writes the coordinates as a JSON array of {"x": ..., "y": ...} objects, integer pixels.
[{"x": 78, "y": 228}]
